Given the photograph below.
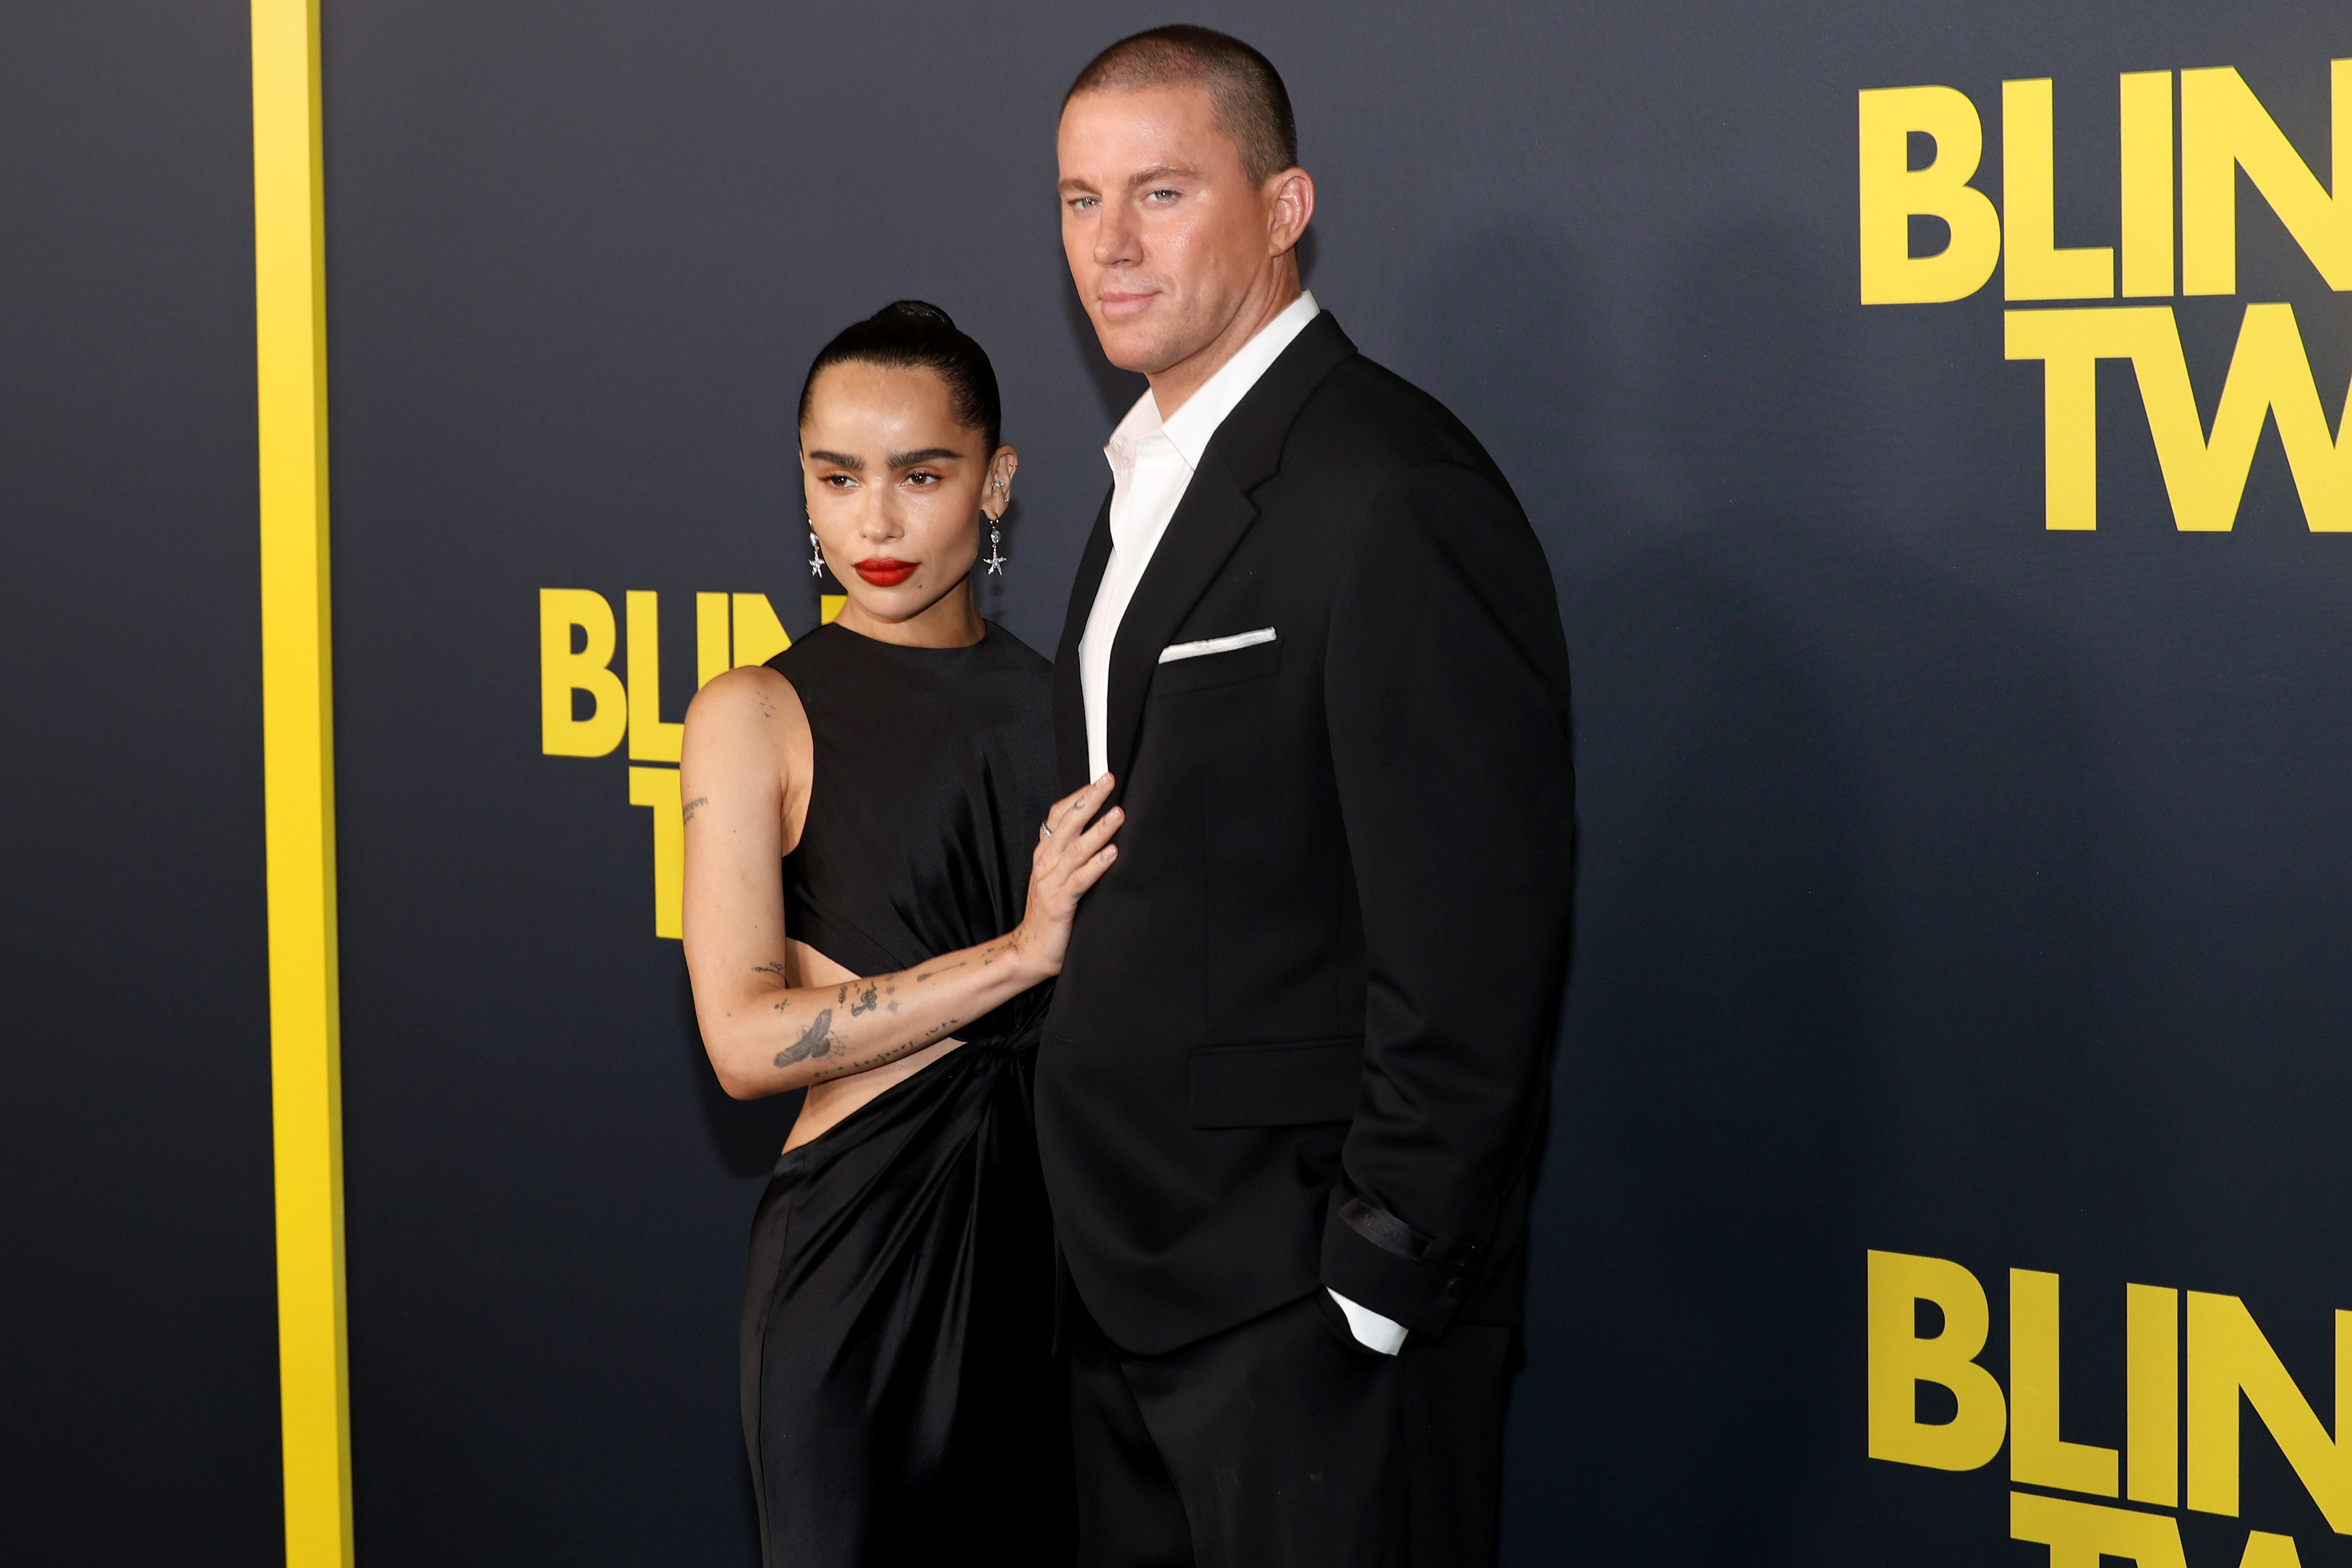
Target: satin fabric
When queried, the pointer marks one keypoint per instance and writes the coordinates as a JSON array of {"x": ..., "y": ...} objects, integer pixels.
[
  {"x": 901, "y": 1398},
  {"x": 933, "y": 769}
]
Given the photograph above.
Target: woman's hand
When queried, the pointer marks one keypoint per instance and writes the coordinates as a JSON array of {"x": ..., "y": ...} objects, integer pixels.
[{"x": 1070, "y": 856}]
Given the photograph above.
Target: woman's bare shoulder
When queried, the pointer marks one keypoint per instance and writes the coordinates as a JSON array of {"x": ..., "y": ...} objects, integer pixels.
[
  {"x": 745, "y": 757},
  {"x": 753, "y": 696},
  {"x": 748, "y": 719}
]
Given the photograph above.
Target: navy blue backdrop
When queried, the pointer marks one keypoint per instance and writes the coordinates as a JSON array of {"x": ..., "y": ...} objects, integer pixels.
[
  {"x": 139, "y": 1381},
  {"x": 1948, "y": 886}
]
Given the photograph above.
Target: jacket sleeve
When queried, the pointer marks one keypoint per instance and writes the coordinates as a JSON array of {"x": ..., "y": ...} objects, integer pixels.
[{"x": 1446, "y": 691}]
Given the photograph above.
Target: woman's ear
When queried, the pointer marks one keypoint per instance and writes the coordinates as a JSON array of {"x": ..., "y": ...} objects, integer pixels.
[{"x": 1001, "y": 469}]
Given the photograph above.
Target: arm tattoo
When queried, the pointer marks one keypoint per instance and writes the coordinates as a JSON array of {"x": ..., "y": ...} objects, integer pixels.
[
  {"x": 865, "y": 1002},
  {"x": 815, "y": 1042},
  {"x": 883, "y": 1058},
  {"x": 687, "y": 811}
]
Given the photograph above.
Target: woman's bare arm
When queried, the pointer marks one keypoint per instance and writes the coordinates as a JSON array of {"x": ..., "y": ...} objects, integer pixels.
[{"x": 743, "y": 770}]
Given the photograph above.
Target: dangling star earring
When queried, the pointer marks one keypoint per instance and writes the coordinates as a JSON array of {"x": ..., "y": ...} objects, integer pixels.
[
  {"x": 995, "y": 562},
  {"x": 816, "y": 552}
]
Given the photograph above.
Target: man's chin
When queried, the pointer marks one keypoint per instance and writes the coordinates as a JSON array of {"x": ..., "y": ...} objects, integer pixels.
[{"x": 1129, "y": 347}]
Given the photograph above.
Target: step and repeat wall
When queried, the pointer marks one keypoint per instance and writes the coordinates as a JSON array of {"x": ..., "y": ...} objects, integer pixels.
[
  {"x": 1930, "y": 412},
  {"x": 138, "y": 1355}
]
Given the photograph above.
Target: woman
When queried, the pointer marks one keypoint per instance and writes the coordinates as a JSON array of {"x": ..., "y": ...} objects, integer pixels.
[{"x": 899, "y": 1397}]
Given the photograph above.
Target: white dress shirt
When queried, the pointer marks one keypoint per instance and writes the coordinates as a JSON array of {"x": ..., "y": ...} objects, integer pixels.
[{"x": 1153, "y": 462}]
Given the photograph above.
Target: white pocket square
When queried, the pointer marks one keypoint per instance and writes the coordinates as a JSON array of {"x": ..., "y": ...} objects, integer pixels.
[{"x": 1177, "y": 650}]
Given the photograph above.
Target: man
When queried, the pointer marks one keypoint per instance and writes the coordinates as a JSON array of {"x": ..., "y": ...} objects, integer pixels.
[{"x": 1293, "y": 1079}]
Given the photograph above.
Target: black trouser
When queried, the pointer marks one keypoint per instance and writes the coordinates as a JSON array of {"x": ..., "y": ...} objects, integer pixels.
[{"x": 1281, "y": 1443}]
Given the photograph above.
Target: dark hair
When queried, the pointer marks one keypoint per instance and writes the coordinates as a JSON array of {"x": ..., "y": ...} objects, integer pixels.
[
  {"x": 1252, "y": 105},
  {"x": 908, "y": 334}
]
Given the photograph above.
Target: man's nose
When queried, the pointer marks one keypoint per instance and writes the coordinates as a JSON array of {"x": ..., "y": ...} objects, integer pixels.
[{"x": 1118, "y": 241}]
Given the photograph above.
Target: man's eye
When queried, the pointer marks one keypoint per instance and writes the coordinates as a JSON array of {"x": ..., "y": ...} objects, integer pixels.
[
  {"x": 1082, "y": 203},
  {"x": 1163, "y": 196}
]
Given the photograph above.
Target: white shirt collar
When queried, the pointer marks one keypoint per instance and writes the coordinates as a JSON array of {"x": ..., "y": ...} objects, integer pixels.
[{"x": 1188, "y": 430}]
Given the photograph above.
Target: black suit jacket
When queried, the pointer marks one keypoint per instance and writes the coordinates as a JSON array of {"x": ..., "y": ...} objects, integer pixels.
[{"x": 1299, "y": 1037}]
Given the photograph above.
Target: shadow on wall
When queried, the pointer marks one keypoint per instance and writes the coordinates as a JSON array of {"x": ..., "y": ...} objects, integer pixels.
[
  {"x": 1752, "y": 1033},
  {"x": 1500, "y": 329},
  {"x": 1116, "y": 390},
  {"x": 745, "y": 1134}
]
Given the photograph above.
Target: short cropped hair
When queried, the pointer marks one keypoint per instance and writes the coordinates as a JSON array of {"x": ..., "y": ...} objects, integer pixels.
[{"x": 1252, "y": 105}]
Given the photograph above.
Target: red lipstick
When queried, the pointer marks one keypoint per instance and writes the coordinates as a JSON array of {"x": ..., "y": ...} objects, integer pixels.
[{"x": 883, "y": 571}]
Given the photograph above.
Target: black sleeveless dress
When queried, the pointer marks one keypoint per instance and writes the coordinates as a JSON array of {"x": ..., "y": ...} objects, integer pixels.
[{"x": 901, "y": 1401}]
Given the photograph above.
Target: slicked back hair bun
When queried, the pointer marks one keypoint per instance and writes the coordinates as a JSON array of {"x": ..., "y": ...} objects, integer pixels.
[
  {"x": 922, "y": 310},
  {"x": 913, "y": 334}
]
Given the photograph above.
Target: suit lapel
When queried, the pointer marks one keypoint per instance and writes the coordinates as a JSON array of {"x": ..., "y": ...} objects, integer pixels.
[
  {"x": 1210, "y": 521},
  {"x": 1069, "y": 698},
  {"x": 1212, "y": 518}
]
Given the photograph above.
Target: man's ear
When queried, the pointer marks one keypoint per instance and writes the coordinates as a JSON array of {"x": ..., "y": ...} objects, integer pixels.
[{"x": 1291, "y": 206}]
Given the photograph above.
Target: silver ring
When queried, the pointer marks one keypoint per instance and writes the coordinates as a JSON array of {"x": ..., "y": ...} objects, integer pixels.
[{"x": 1047, "y": 831}]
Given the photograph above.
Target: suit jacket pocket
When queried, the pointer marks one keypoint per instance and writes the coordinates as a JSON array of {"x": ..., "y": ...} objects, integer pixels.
[
  {"x": 1210, "y": 670},
  {"x": 1282, "y": 1085}
]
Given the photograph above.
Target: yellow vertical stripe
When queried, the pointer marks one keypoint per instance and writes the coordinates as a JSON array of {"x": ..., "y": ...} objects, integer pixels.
[{"x": 298, "y": 733}]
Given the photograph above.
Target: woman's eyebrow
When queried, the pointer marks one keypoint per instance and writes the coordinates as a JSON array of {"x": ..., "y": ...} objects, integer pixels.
[
  {"x": 928, "y": 455},
  {"x": 838, "y": 460}
]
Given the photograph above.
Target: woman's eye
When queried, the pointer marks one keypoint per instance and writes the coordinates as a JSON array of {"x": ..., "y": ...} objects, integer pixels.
[
  {"x": 837, "y": 481},
  {"x": 922, "y": 481}
]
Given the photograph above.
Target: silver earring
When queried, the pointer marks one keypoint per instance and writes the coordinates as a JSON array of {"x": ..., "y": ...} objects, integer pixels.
[
  {"x": 995, "y": 562},
  {"x": 816, "y": 552}
]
